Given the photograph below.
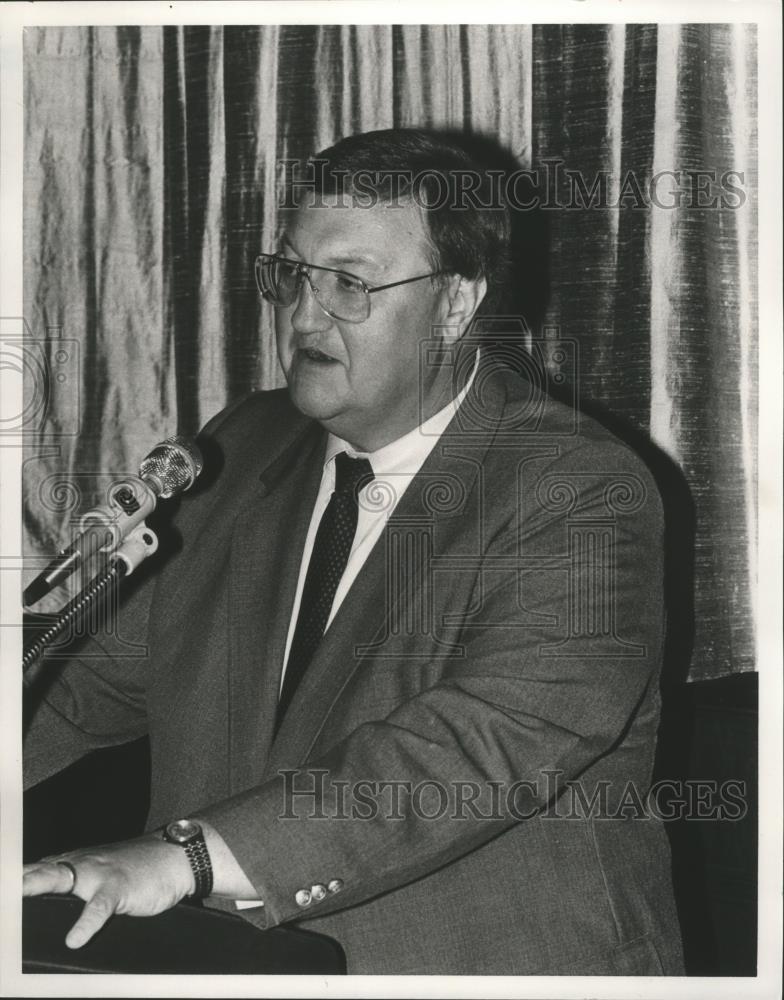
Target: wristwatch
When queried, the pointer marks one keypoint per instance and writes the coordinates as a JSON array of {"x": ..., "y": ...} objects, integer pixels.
[{"x": 188, "y": 834}]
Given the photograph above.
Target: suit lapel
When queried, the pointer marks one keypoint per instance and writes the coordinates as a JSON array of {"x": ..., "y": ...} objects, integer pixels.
[
  {"x": 436, "y": 496},
  {"x": 266, "y": 551}
]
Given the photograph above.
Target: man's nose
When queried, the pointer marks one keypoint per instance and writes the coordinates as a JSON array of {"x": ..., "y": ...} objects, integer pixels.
[{"x": 308, "y": 316}]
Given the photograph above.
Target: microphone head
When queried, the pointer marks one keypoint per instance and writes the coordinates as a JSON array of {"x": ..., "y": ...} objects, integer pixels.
[{"x": 172, "y": 466}]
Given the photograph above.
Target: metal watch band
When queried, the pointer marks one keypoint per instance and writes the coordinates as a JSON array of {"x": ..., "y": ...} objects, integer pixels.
[
  {"x": 188, "y": 835},
  {"x": 199, "y": 857}
]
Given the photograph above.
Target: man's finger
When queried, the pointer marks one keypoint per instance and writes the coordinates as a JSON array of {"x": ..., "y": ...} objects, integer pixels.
[
  {"x": 46, "y": 877},
  {"x": 94, "y": 915}
]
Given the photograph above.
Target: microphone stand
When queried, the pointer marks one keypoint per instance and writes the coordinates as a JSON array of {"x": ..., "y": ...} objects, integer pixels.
[{"x": 138, "y": 545}]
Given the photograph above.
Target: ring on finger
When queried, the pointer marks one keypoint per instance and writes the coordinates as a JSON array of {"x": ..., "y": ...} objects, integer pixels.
[{"x": 72, "y": 871}]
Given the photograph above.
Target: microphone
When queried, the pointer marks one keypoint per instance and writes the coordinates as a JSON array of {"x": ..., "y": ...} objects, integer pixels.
[
  {"x": 168, "y": 470},
  {"x": 172, "y": 467}
]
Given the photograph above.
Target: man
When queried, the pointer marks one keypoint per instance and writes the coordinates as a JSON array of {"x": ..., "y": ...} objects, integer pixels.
[{"x": 412, "y": 635}]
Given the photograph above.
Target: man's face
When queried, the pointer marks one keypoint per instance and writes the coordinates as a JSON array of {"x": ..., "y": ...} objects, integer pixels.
[{"x": 360, "y": 380}]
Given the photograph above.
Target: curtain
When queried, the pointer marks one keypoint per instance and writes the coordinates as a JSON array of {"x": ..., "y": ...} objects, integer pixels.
[{"x": 151, "y": 167}]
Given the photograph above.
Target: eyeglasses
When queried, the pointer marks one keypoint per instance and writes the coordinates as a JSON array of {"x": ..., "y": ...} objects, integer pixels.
[{"x": 341, "y": 295}]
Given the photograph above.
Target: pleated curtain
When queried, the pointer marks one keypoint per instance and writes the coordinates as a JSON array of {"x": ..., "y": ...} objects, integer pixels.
[{"x": 152, "y": 160}]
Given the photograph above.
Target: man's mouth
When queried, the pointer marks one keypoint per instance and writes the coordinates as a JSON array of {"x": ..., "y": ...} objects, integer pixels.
[{"x": 319, "y": 357}]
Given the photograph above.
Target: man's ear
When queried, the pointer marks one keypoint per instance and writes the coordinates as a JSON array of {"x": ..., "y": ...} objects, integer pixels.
[{"x": 461, "y": 300}]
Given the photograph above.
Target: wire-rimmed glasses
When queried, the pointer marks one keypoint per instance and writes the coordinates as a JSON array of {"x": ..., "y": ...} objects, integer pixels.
[{"x": 341, "y": 295}]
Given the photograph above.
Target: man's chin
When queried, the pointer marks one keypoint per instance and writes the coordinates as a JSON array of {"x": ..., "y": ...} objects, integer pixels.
[{"x": 316, "y": 405}]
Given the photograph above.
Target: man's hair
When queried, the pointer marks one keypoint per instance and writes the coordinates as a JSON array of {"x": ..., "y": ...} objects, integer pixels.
[{"x": 466, "y": 221}]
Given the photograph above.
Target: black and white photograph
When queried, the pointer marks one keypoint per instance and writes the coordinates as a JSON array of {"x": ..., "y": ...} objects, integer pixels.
[{"x": 391, "y": 499}]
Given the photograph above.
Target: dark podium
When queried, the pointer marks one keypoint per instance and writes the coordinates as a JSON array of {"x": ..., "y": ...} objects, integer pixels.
[{"x": 184, "y": 940}]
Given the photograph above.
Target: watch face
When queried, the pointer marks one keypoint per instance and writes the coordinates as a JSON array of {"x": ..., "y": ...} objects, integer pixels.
[{"x": 183, "y": 830}]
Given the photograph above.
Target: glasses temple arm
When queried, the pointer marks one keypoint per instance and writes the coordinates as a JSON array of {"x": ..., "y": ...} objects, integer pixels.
[{"x": 405, "y": 281}]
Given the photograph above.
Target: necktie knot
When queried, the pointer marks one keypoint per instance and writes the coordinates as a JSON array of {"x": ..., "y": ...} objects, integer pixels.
[{"x": 351, "y": 474}]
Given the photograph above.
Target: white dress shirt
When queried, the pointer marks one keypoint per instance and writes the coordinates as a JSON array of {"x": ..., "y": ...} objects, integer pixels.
[{"x": 394, "y": 466}]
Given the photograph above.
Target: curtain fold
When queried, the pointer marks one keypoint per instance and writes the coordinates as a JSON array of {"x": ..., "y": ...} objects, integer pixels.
[{"x": 151, "y": 167}]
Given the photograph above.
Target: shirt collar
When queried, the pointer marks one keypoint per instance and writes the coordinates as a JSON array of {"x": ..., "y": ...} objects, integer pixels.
[{"x": 408, "y": 453}]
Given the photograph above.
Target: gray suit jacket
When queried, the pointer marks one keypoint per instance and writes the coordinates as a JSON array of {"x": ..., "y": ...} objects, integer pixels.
[{"x": 458, "y": 785}]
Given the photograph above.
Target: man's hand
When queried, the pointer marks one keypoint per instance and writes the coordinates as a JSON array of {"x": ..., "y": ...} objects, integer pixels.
[{"x": 139, "y": 877}]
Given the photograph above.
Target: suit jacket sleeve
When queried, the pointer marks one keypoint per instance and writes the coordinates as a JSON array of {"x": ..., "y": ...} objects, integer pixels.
[{"x": 504, "y": 715}]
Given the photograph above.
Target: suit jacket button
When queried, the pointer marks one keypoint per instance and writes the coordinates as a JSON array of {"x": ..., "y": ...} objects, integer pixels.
[
  {"x": 302, "y": 898},
  {"x": 318, "y": 892},
  {"x": 335, "y": 885}
]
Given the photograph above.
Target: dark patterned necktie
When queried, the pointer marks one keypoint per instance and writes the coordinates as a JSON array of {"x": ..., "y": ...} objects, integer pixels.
[{"x": 331, "y": 549}]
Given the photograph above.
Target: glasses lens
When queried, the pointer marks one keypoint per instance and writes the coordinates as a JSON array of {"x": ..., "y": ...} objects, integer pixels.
[
  {"x": 278, "y": 280},
  {"x": 341, "y": 295}
]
